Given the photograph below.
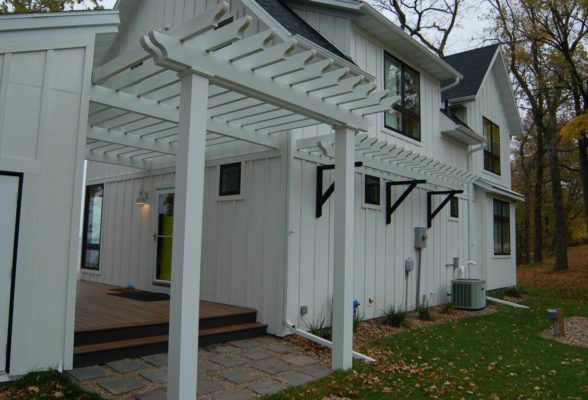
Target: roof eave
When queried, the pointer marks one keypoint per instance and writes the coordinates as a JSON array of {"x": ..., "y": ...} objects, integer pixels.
[{"x": 443, "y": 70}]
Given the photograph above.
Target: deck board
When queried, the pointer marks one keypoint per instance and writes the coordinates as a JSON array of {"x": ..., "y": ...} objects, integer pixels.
[{"x": 96, "y": 310}]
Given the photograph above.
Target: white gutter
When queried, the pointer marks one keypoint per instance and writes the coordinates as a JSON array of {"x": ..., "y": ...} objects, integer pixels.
[
  {"x": 324, "y": 342},
  {"x": 506, "y": 303},
  {"x": 452, "y": 84}
]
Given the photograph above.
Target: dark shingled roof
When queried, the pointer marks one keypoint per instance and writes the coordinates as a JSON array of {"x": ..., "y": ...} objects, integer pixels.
[
  {"x": 297, "y": 26},
  {"x": 472, "y": 64}
]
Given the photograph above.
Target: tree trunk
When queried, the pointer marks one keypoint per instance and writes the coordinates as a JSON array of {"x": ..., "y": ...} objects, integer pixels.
[
  {"x": 583, "y": 157},
  {"x": 538, "y": 206},
  {"x": 526, "y": 256},
  {"x": 561, "y": 232}
]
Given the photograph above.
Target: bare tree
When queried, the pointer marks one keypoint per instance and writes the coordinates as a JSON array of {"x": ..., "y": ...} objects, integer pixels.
[{"x": 429, "y": 21}]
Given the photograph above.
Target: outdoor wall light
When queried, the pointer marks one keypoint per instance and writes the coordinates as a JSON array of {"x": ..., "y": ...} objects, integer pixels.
[{"x": 142, "y": 198}]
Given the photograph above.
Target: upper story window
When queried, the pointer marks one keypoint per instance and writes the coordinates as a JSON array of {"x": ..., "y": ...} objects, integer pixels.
[
  {"x": 403, "y": 81},
  {"x": 491, "y": 147}
]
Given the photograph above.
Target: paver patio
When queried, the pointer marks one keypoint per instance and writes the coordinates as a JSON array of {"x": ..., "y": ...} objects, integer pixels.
[{"x": 244, "y": 369}]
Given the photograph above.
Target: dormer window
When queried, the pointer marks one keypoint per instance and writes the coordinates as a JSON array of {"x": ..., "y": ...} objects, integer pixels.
[
  {"x": 491, "y": 147},
  {"x": 404, "y": 82}
]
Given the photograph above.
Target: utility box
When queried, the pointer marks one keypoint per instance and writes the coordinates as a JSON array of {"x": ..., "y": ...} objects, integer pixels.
[{"x": 420, "y": 237}]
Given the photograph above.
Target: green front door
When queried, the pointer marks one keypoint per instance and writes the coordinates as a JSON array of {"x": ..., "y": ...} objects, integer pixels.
[{"x": 165, "y": 234}]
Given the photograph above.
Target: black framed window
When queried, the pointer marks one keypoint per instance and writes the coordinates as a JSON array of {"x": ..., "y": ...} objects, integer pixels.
[
  {"x": 92, "y": 227},
  {"x": 404, "y": 82},
  {"x": 491, "y": 147},
  {"x": 372, "y": 190},
  {"x": 501, "y": 228},
  {"x": 454, "y": 207},
  {"x": 230, "y": 179}
]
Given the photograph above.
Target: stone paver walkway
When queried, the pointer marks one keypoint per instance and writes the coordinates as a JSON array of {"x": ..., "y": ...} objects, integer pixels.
[{"x": 244, "y": 369}]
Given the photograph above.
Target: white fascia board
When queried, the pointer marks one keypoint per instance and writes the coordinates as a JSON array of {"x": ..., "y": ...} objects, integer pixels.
[
  {"x": 442, "y": 70},
  {"x": 489, "y": 187},
  {"x": 341, "y": 4},
  {"x": 100, "y": 21}
]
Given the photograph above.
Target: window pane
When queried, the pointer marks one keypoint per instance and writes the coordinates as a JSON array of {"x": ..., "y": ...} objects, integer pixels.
[
  {"x": 497, "y": 237},
  {"x": 495, "y": 140},
  {"x": 487, "y": 135},
  {"x": 412, "y": 126},
  {"x": 393, "y": 77},
  {"x": 372, "y": 190},
  {"x": 230, "y": 179},
  {"x": 93, "y": 227},
  {"x": 393, "y": 120},
  {"x": 412, "y": 91},
  {"x": 164, "y": 258},
  {"x": 454, "y": 208}
]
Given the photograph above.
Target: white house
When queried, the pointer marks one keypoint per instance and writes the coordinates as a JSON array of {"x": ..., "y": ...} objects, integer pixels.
[{"x": 236, "y": 117}]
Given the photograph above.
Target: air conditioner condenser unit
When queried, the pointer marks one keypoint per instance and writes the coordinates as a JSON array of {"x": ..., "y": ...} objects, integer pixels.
[{"x": 468, "y": 294}]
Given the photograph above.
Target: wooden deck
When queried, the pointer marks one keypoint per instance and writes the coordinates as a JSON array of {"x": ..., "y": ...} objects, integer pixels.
[
  {"x": 109, "y": 328},
  {"x": 97, "y": 310}
]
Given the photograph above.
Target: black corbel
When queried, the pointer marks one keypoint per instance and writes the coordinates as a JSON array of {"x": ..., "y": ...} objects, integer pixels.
[
  {"x": 430, "y": 215},
  {"x": 390, "y": 208},
  {"x": 321, "y": 197}
]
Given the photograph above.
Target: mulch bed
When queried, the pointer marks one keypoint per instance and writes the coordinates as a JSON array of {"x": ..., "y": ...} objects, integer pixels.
[
  {"x": 372, "y": 330},
  {"x": 576, "y": 332}
]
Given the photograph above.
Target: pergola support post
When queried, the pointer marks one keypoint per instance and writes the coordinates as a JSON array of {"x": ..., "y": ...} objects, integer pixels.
[
  {"x": 187, "y": 244},
  {"x": 343, "y": 249}
]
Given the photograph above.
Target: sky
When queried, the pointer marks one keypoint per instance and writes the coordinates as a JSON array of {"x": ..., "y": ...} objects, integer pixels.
[{"x": 468, "y": 34}]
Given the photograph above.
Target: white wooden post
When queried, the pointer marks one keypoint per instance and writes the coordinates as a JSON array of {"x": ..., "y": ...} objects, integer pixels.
[
  {"x": 343, "y": 249},
  {"x": 188, "y": 209}
]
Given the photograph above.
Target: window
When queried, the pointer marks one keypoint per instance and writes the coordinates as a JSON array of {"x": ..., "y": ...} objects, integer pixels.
[
  {"x": 372, "y": 190},
  {"x": 404, "y": 82},
  {"x": 491, "y": 147},
  {"x": 454, "y": 207},
  {"x": 92, "y": 227},
  {"x": 501, "y": 228},
  {"x": 230, "y": 179}
]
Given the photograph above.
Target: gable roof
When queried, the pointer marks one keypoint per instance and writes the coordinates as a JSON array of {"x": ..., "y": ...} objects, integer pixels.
[
  {"x": 297, "y": 26},
  {"x": 473, "y": 65}
]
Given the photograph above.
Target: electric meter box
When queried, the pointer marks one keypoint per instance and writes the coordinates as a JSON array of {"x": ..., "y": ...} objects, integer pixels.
[{"x": 420, "y": 237}]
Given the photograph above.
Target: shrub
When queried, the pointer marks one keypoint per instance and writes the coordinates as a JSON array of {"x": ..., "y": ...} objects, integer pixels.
[
  {"x": 357, "y": 318},
  {"x": 446, "y": 308},
  {"x": 424, "y": 312},
  {"x": 317, "y": 327},
  {"x": 514, "y": 291},
  {"x": 393, "y": 316}
]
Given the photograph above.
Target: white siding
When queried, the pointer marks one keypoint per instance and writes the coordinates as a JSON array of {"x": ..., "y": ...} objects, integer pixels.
[
  {"x": 43, "y": 109},
  {"x": 488, "y": 104},
  {"x": 243, "y": 240},
  {"x": 380, "y": 249}
]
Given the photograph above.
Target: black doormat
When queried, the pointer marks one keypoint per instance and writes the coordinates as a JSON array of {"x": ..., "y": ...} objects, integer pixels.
[{"x": 140, "y": 295}]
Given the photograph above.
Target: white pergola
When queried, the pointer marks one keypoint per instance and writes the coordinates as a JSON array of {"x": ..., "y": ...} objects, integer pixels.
[{"x": 205, "y": 82}]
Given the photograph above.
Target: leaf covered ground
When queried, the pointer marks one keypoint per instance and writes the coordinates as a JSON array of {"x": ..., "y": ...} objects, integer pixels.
[
  {"x": 496, "y": 356},
  {"x": 46, "y": 385}
]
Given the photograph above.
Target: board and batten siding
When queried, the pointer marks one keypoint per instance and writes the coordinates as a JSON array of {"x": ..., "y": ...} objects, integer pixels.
[
  {"x": 43, "y": 111},
  {"x": 488, "y": 105},
  {"x": 380, "y": 249},
  {"x": 243, "y": 238}
]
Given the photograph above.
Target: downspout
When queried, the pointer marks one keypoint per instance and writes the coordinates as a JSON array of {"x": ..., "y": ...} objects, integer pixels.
[
  {"x": 452, "y": 84},
  {"x": 471, "y": 201},
  {"x": 323, "y": 342}
]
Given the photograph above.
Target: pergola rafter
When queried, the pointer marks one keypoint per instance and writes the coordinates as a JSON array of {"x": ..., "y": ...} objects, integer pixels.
[{"x": 391, "y": 158}]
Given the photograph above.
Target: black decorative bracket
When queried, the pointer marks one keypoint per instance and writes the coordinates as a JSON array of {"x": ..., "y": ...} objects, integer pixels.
[
  {"x": 390, "y": 208},
  {"x": 321, "y": 197},
  {"x": 430, "y": 215}
]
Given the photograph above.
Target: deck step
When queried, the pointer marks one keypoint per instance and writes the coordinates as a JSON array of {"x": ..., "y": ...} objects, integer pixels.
[{"x": 229, "y": 333}]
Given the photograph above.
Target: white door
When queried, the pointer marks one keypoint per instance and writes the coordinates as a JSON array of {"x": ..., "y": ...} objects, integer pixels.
[{"x": 8, "y": 209}]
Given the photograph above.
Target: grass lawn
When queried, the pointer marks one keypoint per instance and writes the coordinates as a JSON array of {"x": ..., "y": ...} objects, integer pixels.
[{"x": 497, "y": 356}]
